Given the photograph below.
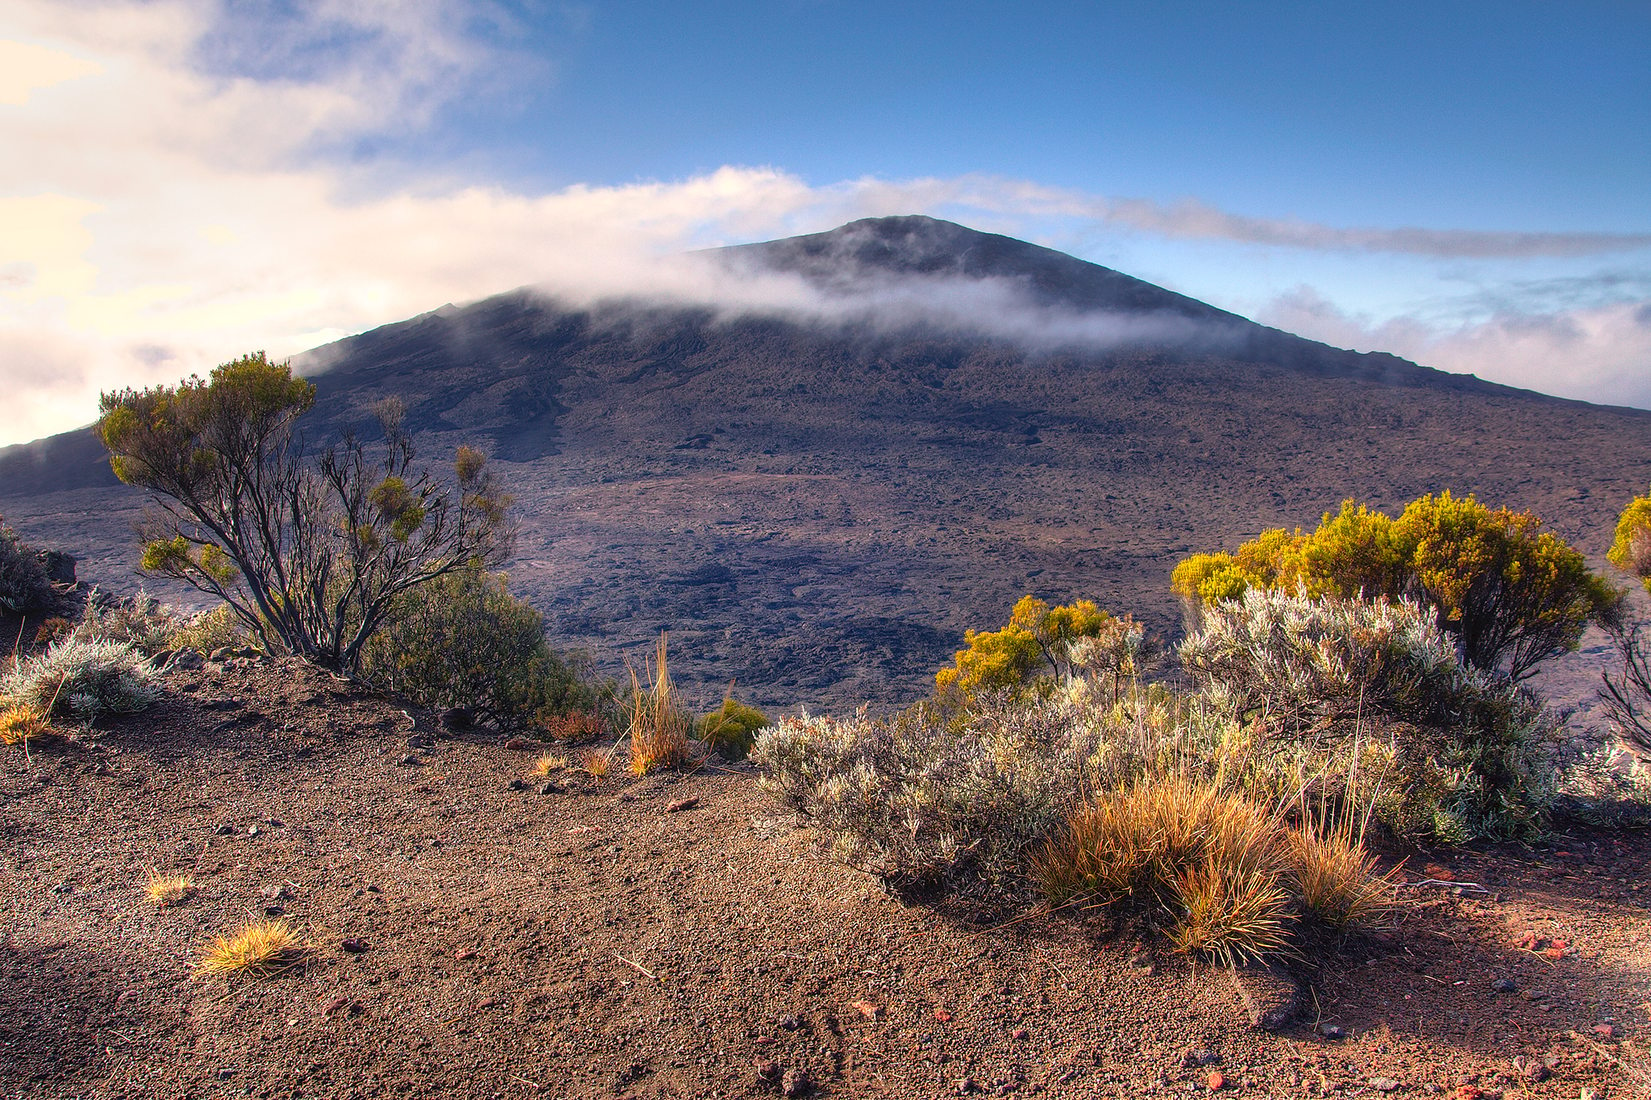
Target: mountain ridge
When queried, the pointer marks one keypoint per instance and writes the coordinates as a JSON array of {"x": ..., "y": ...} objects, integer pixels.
[{"x": 816, "y": 504}]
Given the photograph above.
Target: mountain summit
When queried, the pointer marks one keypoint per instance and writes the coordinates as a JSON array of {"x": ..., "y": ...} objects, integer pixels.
[{"x": 899, "y": 428}]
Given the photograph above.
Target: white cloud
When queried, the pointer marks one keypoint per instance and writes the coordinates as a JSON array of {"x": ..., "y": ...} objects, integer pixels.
[
  {"x": 1598, "y": 353},
  {"x": 168, "y": 201}
]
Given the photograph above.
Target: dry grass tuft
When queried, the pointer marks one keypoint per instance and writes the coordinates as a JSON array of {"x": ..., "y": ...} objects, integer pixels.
[
  {"x": 1210, "y": 862},
  {"x": 1336, "y": 880},
  {"x": 595, "y": 763},
  {"x": 167, "y": 889},
  {"x": 261, "y": 947},
  {"x": 659, "y": 725},
  {"x": 22, "y": 723},
  {"x": 548, "y": 763},
  {"x": 1231, "y": 912}
]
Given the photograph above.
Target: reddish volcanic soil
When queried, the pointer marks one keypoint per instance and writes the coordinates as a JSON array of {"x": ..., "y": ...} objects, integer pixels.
[{"x": 587, "y": 940}]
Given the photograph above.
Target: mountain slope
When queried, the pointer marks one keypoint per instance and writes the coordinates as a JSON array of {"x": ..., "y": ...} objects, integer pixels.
[{"x": 817, "y": 497}]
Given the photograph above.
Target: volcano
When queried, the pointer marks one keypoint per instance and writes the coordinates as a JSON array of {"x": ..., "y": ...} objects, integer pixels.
[{"x": 885, "y": 434}]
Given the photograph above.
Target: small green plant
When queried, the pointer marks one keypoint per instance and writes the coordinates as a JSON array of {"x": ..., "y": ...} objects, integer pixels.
[
  {"x": 261, "y": 947},
  {"x": 205, "y": 631},
  {"x": 731, "y": 729},
  {"x": 76, "y": 681},
  {"x": 657, "y": 723}
]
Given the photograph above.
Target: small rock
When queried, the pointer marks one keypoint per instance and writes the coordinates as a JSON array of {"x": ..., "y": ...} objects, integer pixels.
[
  {"x": 795, "y": 1083},
  {"x": 465, "y": 953},
  {"x": 458, "y": 718},
  {"x": 1195, "y": 1058},
  {"x": 409, "y": 761},
  {"x": 1530, "y": 1069},
  {"x": 252, "y": 830},
  {"x": 1020, "y": 1035},
  {"x": 273, "y": 910},
  {"x": 868, "y": 1010},
  {"x": 790, "y": 1023},
  {"x": 518, "y": 743},
  {"x": 519, "y": 784},
  {"x": 1384, "y": 1084},
  {"x": 676, "y": 806},
  {"x": 226, "y": 830},
  {"x": 942, "y": 1015},
  {"x": 1504, "y": 985},
  {"x": 355, "y": 946},
  {"x": 968, "y": 1084},
  {"x": 767, "y": 1069},
  {"x": 1216, "y": 1081},
  {"x": 226, "y": 1073},
  {"x": 335, "y": 1004},
  {"x": 63, "y": 888},
  {"x": 275, "y": 893},
  {"x": 1607, "y": 1031},
  {"x": 1586, "y": 1093},
  {"x": 548, "y": 787},
  {"x": 1333, "y": 1032},
  {"x": 1142, "y": 960}
]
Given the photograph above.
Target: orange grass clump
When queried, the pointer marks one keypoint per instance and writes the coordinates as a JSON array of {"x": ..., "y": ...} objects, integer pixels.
[
  {"x": 261, "y": 947},
  {"x": 659, "y": 726}
]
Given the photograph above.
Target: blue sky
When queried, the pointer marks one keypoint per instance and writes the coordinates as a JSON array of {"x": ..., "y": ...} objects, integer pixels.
[{"x": 1465, "y": 184}]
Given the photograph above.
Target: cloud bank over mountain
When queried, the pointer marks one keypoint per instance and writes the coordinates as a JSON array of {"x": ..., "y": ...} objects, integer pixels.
[{"x": 185, "y": 183}]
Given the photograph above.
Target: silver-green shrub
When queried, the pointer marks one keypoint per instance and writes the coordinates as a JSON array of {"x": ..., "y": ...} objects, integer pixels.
[
  {"x": 24, "y": 585},
  {"x": 1327, "y": 687},
  {"x": 77, "y": 680},
  {"x": 928, "y": 804},
  {"x": 140, "y": 621}
]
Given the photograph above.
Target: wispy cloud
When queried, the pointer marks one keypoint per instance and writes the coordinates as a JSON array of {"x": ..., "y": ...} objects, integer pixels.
[
  {"x": 1599, "y": 353},
  {"x": 183, "y": 182}
]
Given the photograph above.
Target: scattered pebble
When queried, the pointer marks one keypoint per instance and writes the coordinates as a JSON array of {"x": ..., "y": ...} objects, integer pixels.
[
  {"x": 1504, "y": 985},
  {"x": 1216, "y": 1080},
  {"x": 274, "y": 910},
  {"x": 465, "y": 953},
  {"x": 942, "y": 1015},
  {"x": 1020, "y": 1035},
  {"x": 790, "y": 1023},
  {"x": 226, "y": 830},
  {"x": 1607, "y": 1031},
  {"x": 355, "y": 946},
  {"x": 1194, "y": 1058},
  {"x": 968, "y": 1084},
  {"x": 1333, "y": 1032},
  {"x": 680, "y": 804},
  {"x": 1530, "y": 1068},
  {"x": 767, "y": 1069},
  {"x": 519, "y": 784},
  {"x": 1384, "y": 1084},
  {"x": 868, "y": 1010},
  {"x": 409, "y": 761}
]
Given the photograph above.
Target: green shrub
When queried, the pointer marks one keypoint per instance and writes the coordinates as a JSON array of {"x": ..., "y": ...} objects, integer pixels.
[
  {"x": 76, "y": 681},
  {"x": 1368, "y": 701},
  {"x": 1039, "y": 646},
  {"x": 206, "y": 631},
  {"x": 731, "y": 729},
  {"x": 24, "y": 585},
  {"x": 462, "y": 640},
  {"x": 1509, "y": 594}
]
